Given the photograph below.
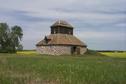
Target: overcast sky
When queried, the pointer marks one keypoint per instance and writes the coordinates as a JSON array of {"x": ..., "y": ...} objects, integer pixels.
[{"x": 101, "y": 24}]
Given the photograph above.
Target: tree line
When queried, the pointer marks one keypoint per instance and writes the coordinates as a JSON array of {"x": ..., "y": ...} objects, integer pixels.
[{"x": 10, "y": 38}]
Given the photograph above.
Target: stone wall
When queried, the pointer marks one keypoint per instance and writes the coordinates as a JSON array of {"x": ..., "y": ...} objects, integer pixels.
[
  {"x": 58, "y": 50},
  {"x": 83, "y": 50},
  {"x": 54, "y": 50}
]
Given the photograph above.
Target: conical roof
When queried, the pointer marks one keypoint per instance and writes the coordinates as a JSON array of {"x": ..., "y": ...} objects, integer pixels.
[
  {"x": 61, "y": 39},
  {"x": 62, "y": 23}
]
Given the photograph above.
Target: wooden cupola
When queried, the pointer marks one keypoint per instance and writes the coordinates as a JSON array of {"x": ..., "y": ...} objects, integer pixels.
[{"x": 61, "y": 27}]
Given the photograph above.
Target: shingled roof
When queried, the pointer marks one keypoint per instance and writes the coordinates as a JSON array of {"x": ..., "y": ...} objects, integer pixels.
[
  {"x": 61, "y": 39},
  {"x": 62, "y": 23}
]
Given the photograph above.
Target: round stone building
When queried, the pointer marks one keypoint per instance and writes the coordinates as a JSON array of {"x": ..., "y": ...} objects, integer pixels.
[{"x": 61, "y": 41}]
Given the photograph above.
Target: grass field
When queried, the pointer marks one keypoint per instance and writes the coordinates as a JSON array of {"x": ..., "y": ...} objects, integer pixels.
[{"x": 28, "y": 67}]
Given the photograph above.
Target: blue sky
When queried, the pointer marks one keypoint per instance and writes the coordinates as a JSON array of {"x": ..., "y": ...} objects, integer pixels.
[{"x": 101, "y": 24}]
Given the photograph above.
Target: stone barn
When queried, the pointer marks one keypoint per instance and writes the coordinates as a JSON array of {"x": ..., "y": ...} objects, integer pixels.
[{"x": 61, "y": 41}]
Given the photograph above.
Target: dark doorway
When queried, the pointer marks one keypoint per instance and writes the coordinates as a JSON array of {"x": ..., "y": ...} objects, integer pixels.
[{"x": 75, "y": 50}]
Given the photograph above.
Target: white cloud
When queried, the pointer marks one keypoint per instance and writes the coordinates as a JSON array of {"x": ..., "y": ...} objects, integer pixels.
[{"x": 101, "y": 35}]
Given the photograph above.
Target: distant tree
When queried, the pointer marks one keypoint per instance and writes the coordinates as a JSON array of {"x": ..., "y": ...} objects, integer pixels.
[
  {"x": 20, "y": 47},
  {"x": 16, "y": 36},
  {"x": 10, "y": 38},
  {"x": 4, "y": 31}
]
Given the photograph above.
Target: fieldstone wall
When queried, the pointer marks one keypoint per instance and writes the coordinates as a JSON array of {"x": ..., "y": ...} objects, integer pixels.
[
  {"x": 83, "y": 50},
  {"x": 58, "y": 50},
  {"x": 54, "y": 50}
]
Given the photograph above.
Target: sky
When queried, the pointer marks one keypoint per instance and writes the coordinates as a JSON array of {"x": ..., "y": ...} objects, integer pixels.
[{"x": 101, "y": 24}]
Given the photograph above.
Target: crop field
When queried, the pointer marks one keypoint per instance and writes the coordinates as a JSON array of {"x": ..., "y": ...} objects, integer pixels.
[
  {"x": 115, "y": 54},
  {"x": 28, "y": 67}
]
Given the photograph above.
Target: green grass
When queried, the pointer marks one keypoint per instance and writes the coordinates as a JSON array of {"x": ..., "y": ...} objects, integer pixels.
[{"x": 24, "y": 68}]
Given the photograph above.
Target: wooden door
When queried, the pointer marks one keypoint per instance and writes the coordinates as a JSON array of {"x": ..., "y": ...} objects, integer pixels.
[{"x": 78, "y": 50}]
